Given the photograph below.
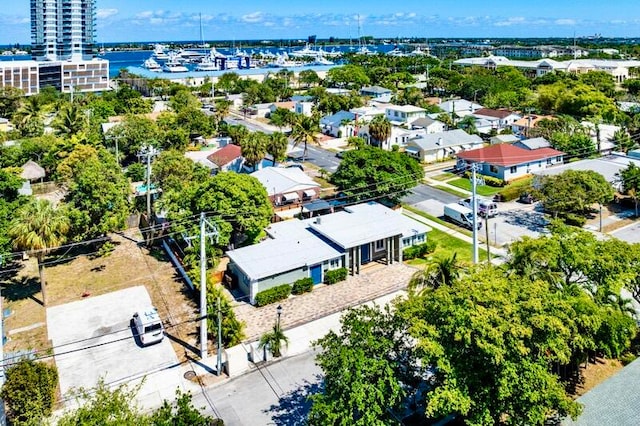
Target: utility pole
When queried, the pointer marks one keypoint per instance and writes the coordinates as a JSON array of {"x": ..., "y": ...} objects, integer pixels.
[
  {"x": 486, "y": 228},
  {"x": 149, "y": 152},
  {"x": 219, "y": 349},
  {"x": 474, "y": 203},
  {"x": 203, "y": 286}
]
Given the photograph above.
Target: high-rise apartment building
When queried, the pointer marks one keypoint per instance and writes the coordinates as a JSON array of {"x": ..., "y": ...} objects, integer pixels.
[
  {"x": 62, "y": 29},
  {"x": 63, "y": 33}
]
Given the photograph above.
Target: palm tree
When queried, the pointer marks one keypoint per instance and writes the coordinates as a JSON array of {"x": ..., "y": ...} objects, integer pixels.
[
  {"x": 237, "y": 134},
  {"x": 380, "y": 129},
  {"x": 222, "y": 109},
  {"x": 32, "y": 108},
  {"x": 254, "y": 148},
  {"x": 277, "y": 146},
  {"x": 468, "y": 124},
  {"x": 274, "y": 340},
  {"x": 305, "y": 130},
  {"x": 443, "y": 271},
  {"x": 37, "y": 228},
  {"x": 71, "y": 120}
]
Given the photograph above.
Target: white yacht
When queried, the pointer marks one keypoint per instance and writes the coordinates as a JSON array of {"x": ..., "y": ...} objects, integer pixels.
[
  {"x": 321, "y": 60},
  {"x": 207, "y": 64},
  {"x": 174, "y": 66},
  {"x": 152, "y": 65},
  {"x": 159, "y": 52},
  {"x": 305, "y": 52}
]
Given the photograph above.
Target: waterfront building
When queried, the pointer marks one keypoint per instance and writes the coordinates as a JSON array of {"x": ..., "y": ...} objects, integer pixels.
[{"x": 63, "y": 34}]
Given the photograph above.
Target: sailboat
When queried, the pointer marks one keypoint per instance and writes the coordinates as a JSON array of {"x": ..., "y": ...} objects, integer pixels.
[
  {"x": 202, "y": 44},
  {"x": 362, "y": 48}
]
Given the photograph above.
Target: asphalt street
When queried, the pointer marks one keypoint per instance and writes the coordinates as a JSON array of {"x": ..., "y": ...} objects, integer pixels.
[
  {"x": 321, "y": 157},
  {"x": 424, "y": 192},
  {"x": 274, "y": 394}
]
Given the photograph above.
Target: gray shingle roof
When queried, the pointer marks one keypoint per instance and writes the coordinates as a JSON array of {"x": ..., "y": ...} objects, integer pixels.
[
  {"x": 450, "y": 138},
  {"x": 616, "y": 401}
]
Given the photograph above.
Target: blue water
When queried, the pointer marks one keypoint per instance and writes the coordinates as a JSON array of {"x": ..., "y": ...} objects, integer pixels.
[{"x": 119, "y": 60}]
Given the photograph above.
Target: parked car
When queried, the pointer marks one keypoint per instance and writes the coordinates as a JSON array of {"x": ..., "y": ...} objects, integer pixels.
[
  {"x": 148, "y": 326},
  {"x": 527, "y": 198},
  {"x": 485, "y": 207}
]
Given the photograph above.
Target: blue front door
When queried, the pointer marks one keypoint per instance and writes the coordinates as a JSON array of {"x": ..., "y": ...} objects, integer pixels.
[
  {"x": 365, "y": 254},
  {"x": 316, "y": 274}
]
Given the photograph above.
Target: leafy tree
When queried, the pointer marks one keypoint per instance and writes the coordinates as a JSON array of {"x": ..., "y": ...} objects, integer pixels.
[
  {"x": 309, "y": 78},
  {"x": 468, "y": 124},
  {"x": 632, "y": 85},
  {"x": 254, "y": 148},
  {"x": 30, "y": 391},
  {"x": 173, "y": 171},
  {"x": 183, "y": 414},
  {"x": 136, "y": 172},
  {"x": 134, "y": 132},
  {"x": 380, "y": 130},
  {"x": 238, "y": 134},
  {"x": 196, "y": 122},
  {"x": 576, "y": 145},
  {"x": 240, "y": 202},
  {"x": 351, "y": 76},
  {"x": 490, "y": 340},
  {"x": 97, "y": 196},
  {"x": 395, "y": 79},
  {"x": 38, "y": 227},
  {"x": 372, "y": 173},
  {"x": 356, "y": 142},
  {"x": 369, "y": 367},
  {"x": 599, "y": 80},
  {"x": 184, "y": 100},
  {"x": 277, "y": 144},
  {"x": 281, "y": 117},
  {"x": 232, "y": 329},
  {"x": 228, "y": 82},
  {"x": 630, "y": 178},
  {"x": 305, "y": 131},
  {"x": 9, "y": 100},
  {"x": 574, "y": 191},
  {"x": 30, "y": 117}
]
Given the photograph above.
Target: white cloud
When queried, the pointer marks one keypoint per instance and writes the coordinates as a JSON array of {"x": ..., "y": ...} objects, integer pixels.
[
  {"x": 253, "y": 17},
  {"x": 516, "y": 20},
  {"x": 106, "y": 13},
  {"x": 564, "y": 22}
]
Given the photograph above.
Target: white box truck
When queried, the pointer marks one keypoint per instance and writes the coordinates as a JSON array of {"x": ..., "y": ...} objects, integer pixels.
[{"x": 461, "y": 215}]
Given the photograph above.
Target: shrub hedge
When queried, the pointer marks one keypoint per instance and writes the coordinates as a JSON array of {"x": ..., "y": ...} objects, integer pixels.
[
  {"x": 303, "y": 285},
  {"x": 335, "y": 275},
  {"x": 489, "y": 180},
  {"x": 419, "y": 250},
  {"x": 273, "y": 294},
  {"x": 515, "y": 189}
]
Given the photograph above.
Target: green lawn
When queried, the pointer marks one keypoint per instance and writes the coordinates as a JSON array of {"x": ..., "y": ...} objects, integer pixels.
[
  {"x": 452, "y": 191},
  {"x": 443, "y": 176},
  {"x": 447, "y": 245},
  {"x": 483, "y": 190}
]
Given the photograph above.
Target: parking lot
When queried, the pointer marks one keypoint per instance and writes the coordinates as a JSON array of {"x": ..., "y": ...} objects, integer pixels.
[{"x": 93, "y": 339}]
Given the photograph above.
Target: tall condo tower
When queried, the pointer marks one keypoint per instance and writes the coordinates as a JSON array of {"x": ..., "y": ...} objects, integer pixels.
[{"x": 62, "y": 29}]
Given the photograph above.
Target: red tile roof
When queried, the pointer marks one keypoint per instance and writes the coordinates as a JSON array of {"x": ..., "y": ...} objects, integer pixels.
[
  {"x": 225, "y": 155},
  {"x": 507, "y": 155},
  {"x": 497, "y": 113}
]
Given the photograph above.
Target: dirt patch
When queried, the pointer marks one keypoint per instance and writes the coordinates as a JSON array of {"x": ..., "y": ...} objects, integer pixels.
[
  {"x": 595, "y": 373},
  {"x": 72, "y": 276}
]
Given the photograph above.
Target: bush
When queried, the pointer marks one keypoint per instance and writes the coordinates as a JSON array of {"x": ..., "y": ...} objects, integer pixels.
[
  {"x": 136, "y": 172},
  {"x": 515, "y": 189},
  {"x": 419, "y": 250},
  {"x": 573, "y": 219},
  {"x": 488, "y": 180},
  {"x": 335, "y": 275},
  {"x": 303, "y": 285},
  {"x": 273, "y": 294},
  {"x": 29, "y": 391}
]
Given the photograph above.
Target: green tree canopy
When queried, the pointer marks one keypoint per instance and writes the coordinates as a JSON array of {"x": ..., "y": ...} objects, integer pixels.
[
  {"x": 371, "y": 173},
  {"x": 239, "y": 201},
  {"x": 369, "y": 367},
  {"x": 630, "y": 178},
  {"x": 29, "y": 392},
  {"x": 350, "y": 76},
  {"x": 574, "y": 191}
]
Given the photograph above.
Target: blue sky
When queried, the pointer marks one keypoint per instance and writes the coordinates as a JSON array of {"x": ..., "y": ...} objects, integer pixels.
[{"x": 144, "y": 20}]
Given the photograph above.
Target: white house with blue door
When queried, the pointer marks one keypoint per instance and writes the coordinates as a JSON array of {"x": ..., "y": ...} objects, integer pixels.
[{"x": 297, "y": 249}]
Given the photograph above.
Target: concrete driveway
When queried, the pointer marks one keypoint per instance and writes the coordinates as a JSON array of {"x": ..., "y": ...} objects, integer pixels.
[
  {"x": 92, "y": 339},
  {"x": 515, "y": 221},
  {"x": 630, "y": 233}
]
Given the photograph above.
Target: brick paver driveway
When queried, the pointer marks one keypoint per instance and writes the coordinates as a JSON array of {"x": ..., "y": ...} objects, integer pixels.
[{"x": 375, "y": 281}]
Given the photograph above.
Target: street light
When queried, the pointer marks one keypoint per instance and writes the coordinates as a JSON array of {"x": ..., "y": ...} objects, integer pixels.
[{"x": 279, "y": 311}]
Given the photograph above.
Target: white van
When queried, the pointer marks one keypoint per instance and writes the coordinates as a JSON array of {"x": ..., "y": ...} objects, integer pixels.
[
  {"x": 485, "y": 207},
  {"x": 148, "y": 326}
]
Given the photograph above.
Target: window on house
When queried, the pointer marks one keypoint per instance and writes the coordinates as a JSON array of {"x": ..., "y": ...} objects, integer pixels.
[
  {"x": 334, "y": 263},
  {"x": 493, "y": 169},
  {"x": 548, "y": 161},
  {"x": 513, "y": 169},
  {"x": 406, "y": 241},
  {"x": 558, "y": 159},
  {"x": 379, "y": 245}
]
